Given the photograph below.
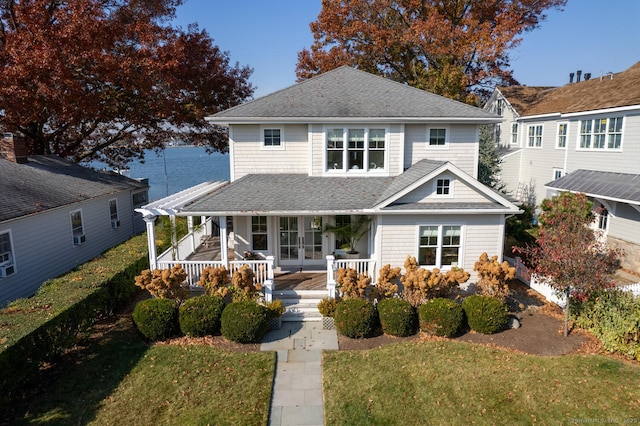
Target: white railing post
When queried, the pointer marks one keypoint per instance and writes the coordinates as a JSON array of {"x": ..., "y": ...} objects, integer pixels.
[
  {"x": 331, "y": 276},
  {"x": 150, "y": 221},
  {"x": 269, "y": 282}
]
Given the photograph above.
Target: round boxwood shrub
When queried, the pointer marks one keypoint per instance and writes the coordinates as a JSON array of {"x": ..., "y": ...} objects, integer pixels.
[
  {"x": 356, "y": 318},
  {"x": 485, "y": 314},
  {"x": 397, "y": 317},
  {"x": 441, "y": 317},
  {"x": 244, "y": 321},
  {"x": 200, "y": 316},
  {"x": 156, "y": 319}
]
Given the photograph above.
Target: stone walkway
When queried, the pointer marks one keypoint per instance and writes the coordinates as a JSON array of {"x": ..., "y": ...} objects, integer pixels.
[{"x": 297, "y": 387}]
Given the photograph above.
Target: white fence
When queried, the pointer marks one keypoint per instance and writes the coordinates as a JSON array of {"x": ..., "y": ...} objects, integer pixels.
[{"x": 633, "y": 288}]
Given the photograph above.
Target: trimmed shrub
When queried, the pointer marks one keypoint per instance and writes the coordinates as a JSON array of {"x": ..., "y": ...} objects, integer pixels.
[
  {"x": 356, "y": 318},
  {"x": 327, "y": 307},
  {"x": 397, "y": 317},
  {"x": 441, "y": 317},
  {"x": 200, "y": 316},
  {"x": 275, "y": 308},
  {"x": 244, "y": 322},
  {"x": 485, "y": 314},
  {"x": 156, "y": 319}
]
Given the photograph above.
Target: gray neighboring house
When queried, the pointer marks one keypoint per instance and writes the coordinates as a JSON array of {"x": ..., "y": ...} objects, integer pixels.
[
  {"x": 583, "y": 137},
  {"x": 340, "y": 145},
  {"x": 56, "y": 215}
]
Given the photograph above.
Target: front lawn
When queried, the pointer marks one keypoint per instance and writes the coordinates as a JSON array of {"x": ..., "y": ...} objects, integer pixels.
[
  {"x": 122, "y": 380},
  {"x": 444, "y": 382}
]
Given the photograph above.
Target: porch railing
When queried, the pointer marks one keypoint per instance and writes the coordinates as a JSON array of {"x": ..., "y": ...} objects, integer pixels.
[
  {"x": 263, "y": 270},
  {"x": 362, "y": 266},
  {"x": 186, "y": 245}
]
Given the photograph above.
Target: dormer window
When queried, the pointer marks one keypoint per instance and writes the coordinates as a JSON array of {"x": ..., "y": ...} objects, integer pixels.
[
  {"x": 443, "y": 186},
  {"x": 355, "y": 150}
]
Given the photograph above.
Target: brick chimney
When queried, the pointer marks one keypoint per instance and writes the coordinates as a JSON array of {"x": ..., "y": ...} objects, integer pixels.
[{"x": 13, "y": 148}]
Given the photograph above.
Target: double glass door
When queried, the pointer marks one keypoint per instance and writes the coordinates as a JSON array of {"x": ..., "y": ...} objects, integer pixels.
[{"x": 301, "y": 240}]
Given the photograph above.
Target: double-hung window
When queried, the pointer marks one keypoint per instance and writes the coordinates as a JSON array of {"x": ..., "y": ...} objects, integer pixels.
[
  {"x": 7, "y": 266},
  {"x": 437, "y": 137},
  {"x": 601, "y": 133},
  {"x": 272, "y": 138},
  {"x": 535, "y": 136},
  {"x": 561, "y": 141},
  {"x": 259, "y": 232},
  {"x": 439, "y": 245},
  {"x": 113, "y": 212},
  {"x": 352, "y": 149},
  {"x": 77, "y": 229},
  {"x": 514, "y": 133}
]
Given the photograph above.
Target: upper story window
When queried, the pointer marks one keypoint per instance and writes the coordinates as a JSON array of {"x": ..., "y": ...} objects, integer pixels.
[
  {"x": 514, "y": 133},
  {"x": 443, "y": 186},
  {"x": 439, "y": 245},
  {"x": 6, "y": 255},
  {"x": 535, "y": 136},
  {"x": 259, "y": 232},
  {"x": 561, "y": 141},
  {"x": 601, "y": 133},
  {"x": 437, "y": 137},
  {"x": 272, "y": 138},
  {"x": 499, "y": 107},
  {"x": 360, "y": 149},
  {"x": 557, "y": 173},
  {"x": 77, "y": 228}
]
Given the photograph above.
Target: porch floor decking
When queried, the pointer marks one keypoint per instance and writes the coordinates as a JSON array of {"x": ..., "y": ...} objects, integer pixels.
[{"x": 301, "y": 281}]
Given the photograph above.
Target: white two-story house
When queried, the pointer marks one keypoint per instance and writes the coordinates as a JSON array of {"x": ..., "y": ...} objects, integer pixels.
[
  {"x": 582, "y": 137},
  {"x": 335, "y": 147}
]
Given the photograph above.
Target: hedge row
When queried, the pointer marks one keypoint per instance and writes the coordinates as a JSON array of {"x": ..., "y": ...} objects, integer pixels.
[{"x": 40, "y": 328}]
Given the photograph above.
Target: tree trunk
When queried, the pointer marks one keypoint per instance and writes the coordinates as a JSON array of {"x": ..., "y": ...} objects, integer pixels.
[{"x": 566, "y": 316}]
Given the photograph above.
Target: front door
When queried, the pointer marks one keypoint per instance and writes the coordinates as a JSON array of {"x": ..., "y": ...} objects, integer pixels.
[{"x": 301, "y": 242}]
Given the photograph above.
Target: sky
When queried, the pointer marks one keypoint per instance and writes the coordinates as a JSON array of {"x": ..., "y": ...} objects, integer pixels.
[{"x": 594, "y": 36}]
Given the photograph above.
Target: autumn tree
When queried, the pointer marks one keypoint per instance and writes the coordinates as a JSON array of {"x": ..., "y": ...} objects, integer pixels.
[
  {"x": 107, "y": 79},
  {"x": 567, "y": 252},
  {"x": 454, "y": 48}
]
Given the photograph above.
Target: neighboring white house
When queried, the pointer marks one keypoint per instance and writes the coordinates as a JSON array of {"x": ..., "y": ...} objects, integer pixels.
[
  {"x": 56, "y": 215},
  {"x": 582, "y": 137},
  {"x": 343, "y": 144}
]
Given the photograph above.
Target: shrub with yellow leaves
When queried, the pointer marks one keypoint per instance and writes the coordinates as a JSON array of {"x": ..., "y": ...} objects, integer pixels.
[
  {"x": 493, "y": 276},
  {"x": 165, "y": 283}
]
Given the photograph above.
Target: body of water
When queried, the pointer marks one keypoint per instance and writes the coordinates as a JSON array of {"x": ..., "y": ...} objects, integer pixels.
[{"x": 185, "y": 166}]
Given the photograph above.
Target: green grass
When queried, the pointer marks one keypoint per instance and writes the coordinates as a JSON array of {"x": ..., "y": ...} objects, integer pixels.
[
  {"x": 445, "y": 382},
  {"x": 122, "y": 380}
]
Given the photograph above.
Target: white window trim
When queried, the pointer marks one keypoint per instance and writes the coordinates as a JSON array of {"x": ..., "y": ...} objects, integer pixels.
[
  {"x": 511, "y": 142},
  {"x": 606, "y": 142},
  {"x": 554, "y": 171},
  {"x": 440, "y": 245},
  {"x": 12, "y": 258},
  {"x": 272, "y": 147},
  {"x": 73, "y": 233},
  {"x": 451, "y": 186},
  {"x": 447, "y": 137},
  {"x": 345, "y": 151},
  {"x": 117, "y": 210},
  {"x": 566, "y": 135},
  {"x": 534, "y": 146}
]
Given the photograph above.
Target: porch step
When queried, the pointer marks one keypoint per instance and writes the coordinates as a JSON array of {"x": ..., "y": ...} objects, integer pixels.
[{"x": 300, "y": 305}]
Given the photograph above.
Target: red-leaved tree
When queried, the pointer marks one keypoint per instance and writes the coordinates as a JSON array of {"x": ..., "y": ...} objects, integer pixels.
[
  {"x": 107, "y": 79},
  {"x": 450, "y": 47},
  {"x": 567, "y": 251}
]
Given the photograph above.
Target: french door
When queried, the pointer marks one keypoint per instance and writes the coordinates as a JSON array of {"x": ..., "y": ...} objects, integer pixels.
[{"x": 301, "y": 241}]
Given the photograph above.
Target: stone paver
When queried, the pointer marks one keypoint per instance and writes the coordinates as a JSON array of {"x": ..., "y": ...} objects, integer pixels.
[{"x": 297, "y": 387}]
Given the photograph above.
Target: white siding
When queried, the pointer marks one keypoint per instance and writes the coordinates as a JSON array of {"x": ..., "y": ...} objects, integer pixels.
[
  {"x": 625, "y": 224},
  {"x": 250, "y": 157},
  {"x": 461, "y": 151},
  {"x": 461, "y": 192},
  {"x": 398, "y": 237},
  {"x": 43, "y": 243}
]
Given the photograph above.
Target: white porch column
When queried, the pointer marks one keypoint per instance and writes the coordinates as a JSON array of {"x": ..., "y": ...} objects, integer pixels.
[
  {"x": 331, "y": 276},
  {"x": 224, "y": 243},
  {"x": 190, "y": 232},
  {"x": 151, "y": 240},
  {"x": 269, "y": 283},
  {"x": 207, "y": 225}
]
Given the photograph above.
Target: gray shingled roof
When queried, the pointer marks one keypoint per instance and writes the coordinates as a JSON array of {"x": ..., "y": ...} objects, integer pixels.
[
  {"x": 346, "y": 92},
  {"x": 278, "y": 193},
  {"x": 45, "y": 183},
  {"x": 619, "y": 186}
]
